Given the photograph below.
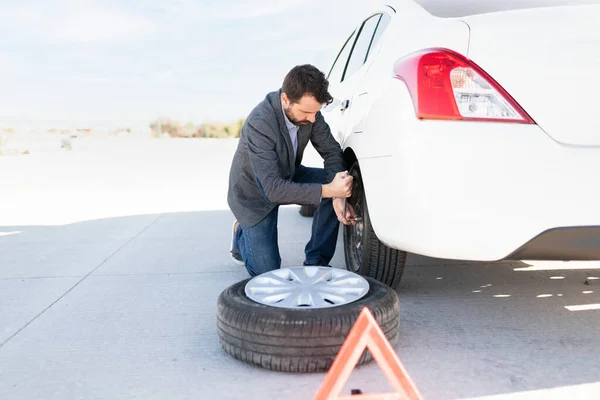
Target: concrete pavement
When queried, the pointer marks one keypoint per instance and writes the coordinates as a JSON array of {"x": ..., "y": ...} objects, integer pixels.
[{"x": 112, "y": 257}]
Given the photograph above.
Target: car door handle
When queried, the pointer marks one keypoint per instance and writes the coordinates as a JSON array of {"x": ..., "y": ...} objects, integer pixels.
[{"x": 345, "y": 105}]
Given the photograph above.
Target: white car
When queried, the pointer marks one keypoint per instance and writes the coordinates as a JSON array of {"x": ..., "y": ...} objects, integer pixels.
[{"x": 473, "y": 129}]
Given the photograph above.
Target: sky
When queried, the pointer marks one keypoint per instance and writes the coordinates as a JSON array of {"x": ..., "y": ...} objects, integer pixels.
[{"x": 125, "y": 62}]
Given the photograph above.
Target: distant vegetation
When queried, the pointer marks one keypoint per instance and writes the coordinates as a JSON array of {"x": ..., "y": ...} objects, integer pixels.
[
  {"x": 176, "y": 129},
  {"x": 16, "y": 141}
]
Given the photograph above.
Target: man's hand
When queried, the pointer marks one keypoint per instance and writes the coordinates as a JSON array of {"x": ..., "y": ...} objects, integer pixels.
[
  {"x": 338, "y": 206},
  {"x": 341, "y": 186}
]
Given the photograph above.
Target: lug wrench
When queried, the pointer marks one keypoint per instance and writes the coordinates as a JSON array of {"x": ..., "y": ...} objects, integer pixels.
[{"x": 357, "y": 219}]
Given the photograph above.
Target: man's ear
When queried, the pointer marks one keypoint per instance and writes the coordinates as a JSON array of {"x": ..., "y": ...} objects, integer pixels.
[{"x": 285, "y": 100}]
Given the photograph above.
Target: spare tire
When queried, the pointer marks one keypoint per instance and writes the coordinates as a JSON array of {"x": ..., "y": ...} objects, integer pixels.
[{"x": 296, "y": 339}]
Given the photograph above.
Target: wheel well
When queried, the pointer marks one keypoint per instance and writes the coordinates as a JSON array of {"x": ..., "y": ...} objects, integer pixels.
[{"x": 349, "y": 157}]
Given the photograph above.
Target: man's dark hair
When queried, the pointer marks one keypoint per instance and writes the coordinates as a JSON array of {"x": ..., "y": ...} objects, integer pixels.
[{"x": 306, "y": 80}]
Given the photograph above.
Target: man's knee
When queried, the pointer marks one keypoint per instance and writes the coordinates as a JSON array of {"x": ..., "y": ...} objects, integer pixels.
[
  {"x": 321, "y": 176},
  {"x": 311, "y": 175},
  {"x": 263, "y": 264}
]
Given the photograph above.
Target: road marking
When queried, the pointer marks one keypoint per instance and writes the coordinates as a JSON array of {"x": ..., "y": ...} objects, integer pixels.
[
  {"x": 10, "y": 233},
  {"x": 583, "y": 307}
]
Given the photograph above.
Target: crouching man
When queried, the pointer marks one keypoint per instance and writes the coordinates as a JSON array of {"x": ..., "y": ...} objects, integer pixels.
[{"x": 267, "y": 172}]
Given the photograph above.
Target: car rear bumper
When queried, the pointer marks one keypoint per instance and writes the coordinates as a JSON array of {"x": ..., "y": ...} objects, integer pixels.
[{"x": 485, "y": 191}]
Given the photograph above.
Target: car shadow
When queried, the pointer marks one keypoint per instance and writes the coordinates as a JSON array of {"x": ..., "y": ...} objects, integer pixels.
[{"x": 482, "y": 329}]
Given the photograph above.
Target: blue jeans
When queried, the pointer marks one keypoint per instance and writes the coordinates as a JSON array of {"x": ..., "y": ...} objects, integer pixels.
[{"x": 259, "y": 247}]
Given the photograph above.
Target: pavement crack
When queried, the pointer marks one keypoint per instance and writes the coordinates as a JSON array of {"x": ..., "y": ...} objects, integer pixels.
[
  {"x": 82, "y": 279},
  {"x": 25, "y": 278}
]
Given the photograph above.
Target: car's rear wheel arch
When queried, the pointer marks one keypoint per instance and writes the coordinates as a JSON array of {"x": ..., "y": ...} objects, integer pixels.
[
  {"x": 364, "y": 253},
  {"x": 351, "y": 160},
  {"x": 350, "y": 157}
]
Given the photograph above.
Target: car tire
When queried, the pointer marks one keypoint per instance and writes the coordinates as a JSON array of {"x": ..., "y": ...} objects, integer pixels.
[
  {"x": 307, "y": 211},
  {"x": 297, "y": 340},
  {"x": 364, "y": 253}
]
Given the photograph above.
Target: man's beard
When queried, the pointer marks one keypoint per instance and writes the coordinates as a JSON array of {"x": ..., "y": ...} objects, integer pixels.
[{"x": 293, "y": 120}]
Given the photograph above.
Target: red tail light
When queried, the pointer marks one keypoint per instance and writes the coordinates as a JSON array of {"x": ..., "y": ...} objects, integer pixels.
[{"x": 445, "y": 85}]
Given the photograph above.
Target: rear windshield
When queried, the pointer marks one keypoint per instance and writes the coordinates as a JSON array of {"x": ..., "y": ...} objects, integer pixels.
[{"x": 463, "y": 8}]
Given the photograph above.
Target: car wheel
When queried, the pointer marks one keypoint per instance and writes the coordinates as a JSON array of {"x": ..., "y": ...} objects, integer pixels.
[
  {"x": 302, "y": 335},
  {"x": 307, "y": 211},
  {"x": 365, "y": 254}
]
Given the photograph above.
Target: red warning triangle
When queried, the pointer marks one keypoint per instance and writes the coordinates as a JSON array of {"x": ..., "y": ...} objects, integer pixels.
[{"x": 366, "y": 334}]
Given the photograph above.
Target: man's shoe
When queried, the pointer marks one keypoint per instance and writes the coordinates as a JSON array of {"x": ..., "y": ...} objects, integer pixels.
[
  {"x": 320, "y": 263},
  {"x": 235, "y": 254}
]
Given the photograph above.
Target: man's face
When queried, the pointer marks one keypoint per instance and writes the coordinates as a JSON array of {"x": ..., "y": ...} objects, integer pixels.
[{"x": 303, "y": 112}]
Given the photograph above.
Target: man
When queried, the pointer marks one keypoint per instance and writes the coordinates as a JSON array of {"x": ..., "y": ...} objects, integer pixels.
[{"x": 266, "y": 172}]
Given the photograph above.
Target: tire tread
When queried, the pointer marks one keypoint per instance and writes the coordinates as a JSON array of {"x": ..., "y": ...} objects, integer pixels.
[{"x": 300, "y": 341}]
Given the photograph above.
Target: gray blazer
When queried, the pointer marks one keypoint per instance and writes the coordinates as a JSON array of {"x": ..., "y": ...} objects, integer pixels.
[{"x": 264, "y": 164}]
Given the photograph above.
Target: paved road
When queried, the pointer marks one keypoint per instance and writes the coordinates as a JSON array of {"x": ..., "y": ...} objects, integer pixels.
[{"x": 112, "y": 257}]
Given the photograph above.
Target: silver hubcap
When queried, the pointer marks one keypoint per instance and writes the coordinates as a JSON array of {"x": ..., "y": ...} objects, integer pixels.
[
  {"x": 307, "y": 287},
  {"x": 359, "y": 235}
]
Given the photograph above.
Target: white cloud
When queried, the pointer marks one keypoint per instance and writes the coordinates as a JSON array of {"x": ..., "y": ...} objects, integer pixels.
[
  {"x": 79, "y": 22},
  {"x": 207, "y": 60},
  {"x": 100, "y": 25},
  {"x": 235, "y": 10},
  {"x": 265, "y": 8}
]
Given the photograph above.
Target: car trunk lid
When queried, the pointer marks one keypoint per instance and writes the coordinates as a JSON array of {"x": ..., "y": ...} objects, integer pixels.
[{"x": 548, "y": 60}]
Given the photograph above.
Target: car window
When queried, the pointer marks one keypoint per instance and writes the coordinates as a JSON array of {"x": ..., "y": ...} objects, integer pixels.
[
  {"x": 359, "y": 52},
  {"x": 383, "y": 23},
  {"x": 337, "y": 70}
]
